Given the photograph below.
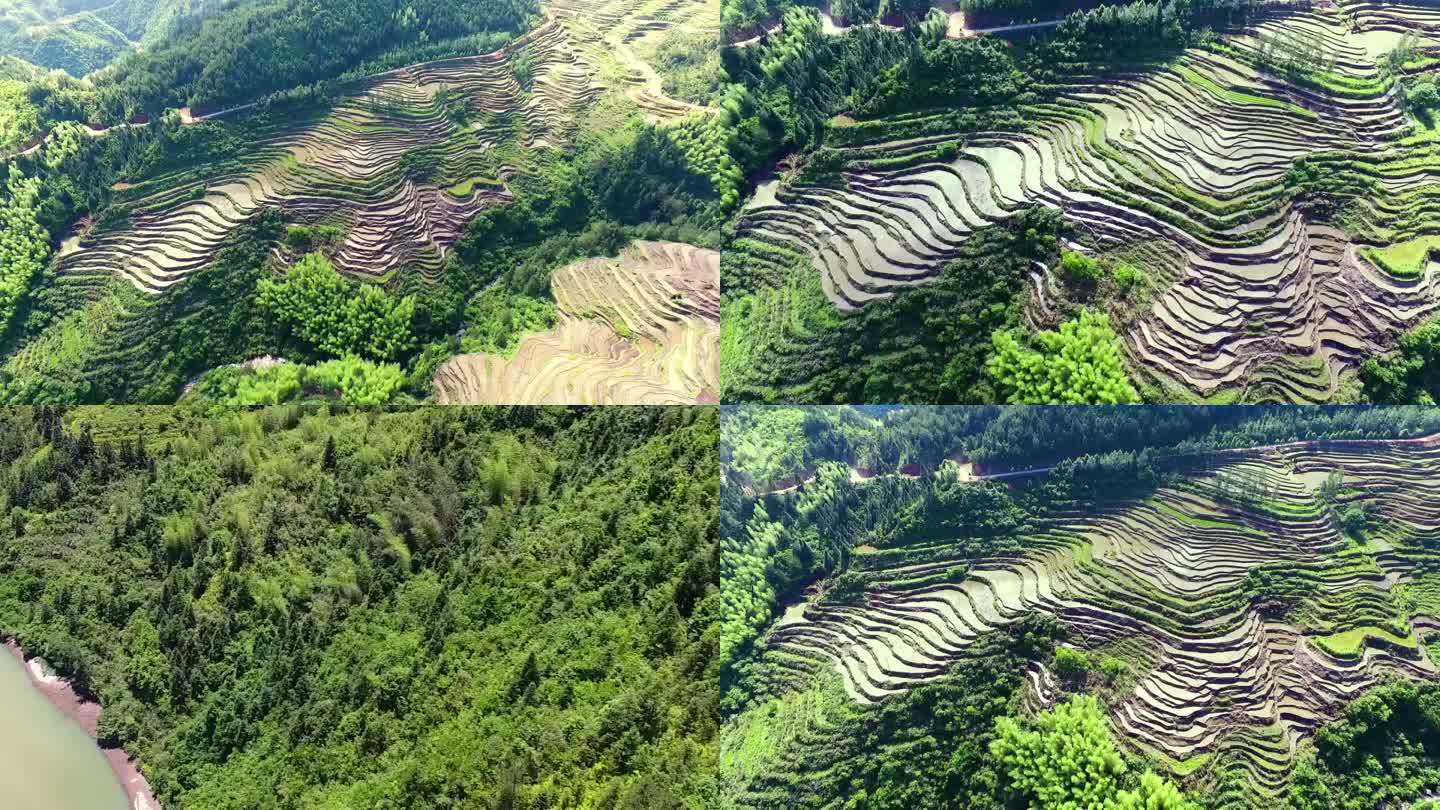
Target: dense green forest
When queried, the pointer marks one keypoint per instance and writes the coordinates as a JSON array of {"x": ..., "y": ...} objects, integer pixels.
[
  {"x": 79, "y": 44},
  {"x": 1029, "y": 713},
  {"x": 250, "y": 50},
  {"x": 304, "y": 607},
  {"x": 766, "y": 445},
  {"x": 1385, "y": 747},
  {"x": 268, "y": 45}
]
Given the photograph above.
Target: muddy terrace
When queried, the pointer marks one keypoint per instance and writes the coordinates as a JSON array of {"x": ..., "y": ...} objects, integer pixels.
[
  {"x": 1186, "y": 167},
  {"x": 1221, "y": 682},
  {"x": 640, "y": 328}
]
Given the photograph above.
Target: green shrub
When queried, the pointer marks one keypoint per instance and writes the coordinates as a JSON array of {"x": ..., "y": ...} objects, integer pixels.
[
  {"x": 307, "y": 238},
  {"x": 453, "y": 105},
  {"x": 1066, "y": 758},
  {"x": 1077, "y": 268},
  {"x": 377, "y": 325},
  {"x": 1354, "y": 520},
  {"x": 1070, "y": 664},
  {"x": 1277, "y": 591},
  {"x": 332, "y": 317},
  {"x": 357, "y": 381},
  {"x": 1422, "y": 96},
  {"x": 270, "y": 385},
  {"x": 1127, "y": 276},
  {"x": 847, "y": 589},
  {"x": 823, "y": 168},
  {"x": 1076, "y": 365},
  {"x": 522, "y": 67},
  {"x": 1113, "y": 668}
]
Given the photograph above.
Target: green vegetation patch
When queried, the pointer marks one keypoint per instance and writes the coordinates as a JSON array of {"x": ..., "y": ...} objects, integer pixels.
[
  {"x": 1405, "y": 259},
  {"x": 517, "y": 603},
  {"x": 466, "y": 187},
  {"x": 349, "y": 379},
  {"x": 336, "y": 317},
  {"x": 1349, "y": 643},
  {"x": 496, "y": 321},
  {"x": 1380, "y": 750},
  {"x": 1080, "y": 363}
]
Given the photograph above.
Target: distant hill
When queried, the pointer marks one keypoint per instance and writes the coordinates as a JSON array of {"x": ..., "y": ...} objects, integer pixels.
[
  {"x": 17, "y": 69},
  {"x": 78, "y": 44},
  {"x": 82, "y": 36}
]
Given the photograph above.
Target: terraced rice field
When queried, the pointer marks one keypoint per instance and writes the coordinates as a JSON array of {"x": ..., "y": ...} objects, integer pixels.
[
  {"x": 618, "y": 33},
  {"x": 1222, "y": 682},
  {"x": 1187, "y": 163},
  {"x": 642, "y": 328},
  {"x": 355, "y": 167}
]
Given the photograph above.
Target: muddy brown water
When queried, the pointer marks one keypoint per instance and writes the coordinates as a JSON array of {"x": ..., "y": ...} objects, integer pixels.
[{"x": 47, "y": 761}]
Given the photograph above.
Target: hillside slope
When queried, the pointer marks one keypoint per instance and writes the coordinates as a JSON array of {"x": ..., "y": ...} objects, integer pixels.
[
  {"x": 1235, "y": 184},
  {"x": 292, "y": 608},
  {"x": 438, "y": 182},
  {"x": 1224, "y": 605}
]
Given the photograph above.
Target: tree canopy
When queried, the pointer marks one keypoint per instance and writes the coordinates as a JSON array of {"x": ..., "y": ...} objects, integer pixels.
[
  {"x": 1080, "y": 363},
  {"x": 1064, "y": 759},
  {"x": 300, "y": 607}
]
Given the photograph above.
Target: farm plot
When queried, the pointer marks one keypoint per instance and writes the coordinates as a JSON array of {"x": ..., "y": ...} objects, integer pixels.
[
  {"x": 400, "y": 166},
  {"x": 347, "y": 169},
  {"x": 1192, "y": 160},
  {"x": 612, "y": 38},
  {"x": 642, "y": 328},
  {"x": 1229, "y": 674}
]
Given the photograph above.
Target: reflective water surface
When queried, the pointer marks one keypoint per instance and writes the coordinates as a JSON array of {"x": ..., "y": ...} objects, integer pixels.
[{"x": 46, "y": 761}]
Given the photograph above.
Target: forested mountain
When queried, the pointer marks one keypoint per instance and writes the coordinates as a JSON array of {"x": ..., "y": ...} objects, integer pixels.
[
  {"x": 1186, "y": 608},
  {"x": 78, "y": 44},
  {"x": 298, "y": 608},
  {"x": 83, "y": 36},
  {"x": 261, "y": 46},
  {"x": 205, "y": 54}
]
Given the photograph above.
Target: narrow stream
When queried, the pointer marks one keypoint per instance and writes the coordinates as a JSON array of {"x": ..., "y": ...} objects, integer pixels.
[{"x": 47, "y": 762}]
